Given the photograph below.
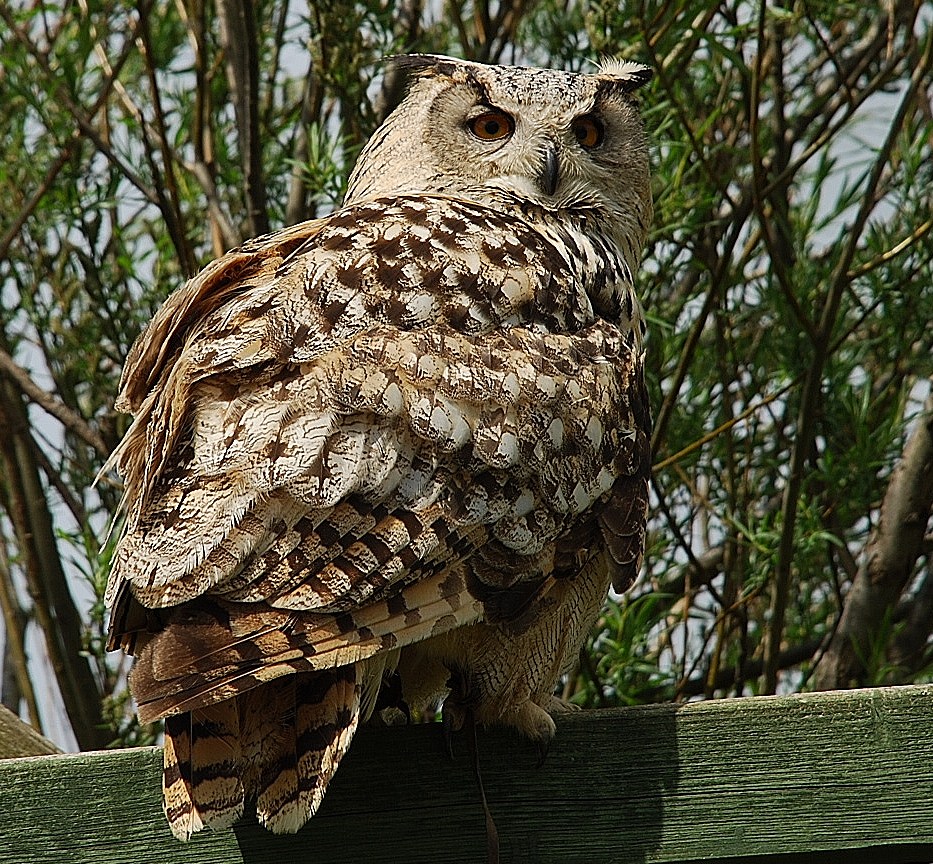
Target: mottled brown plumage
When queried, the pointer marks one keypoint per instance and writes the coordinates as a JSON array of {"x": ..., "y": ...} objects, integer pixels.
[{"x": 406, "y": 440}]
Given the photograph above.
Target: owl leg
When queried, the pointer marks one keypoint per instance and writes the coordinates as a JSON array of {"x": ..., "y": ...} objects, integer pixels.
[{"x": 515, "y": 665}]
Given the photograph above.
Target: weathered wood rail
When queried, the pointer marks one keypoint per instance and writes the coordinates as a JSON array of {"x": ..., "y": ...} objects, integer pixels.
[{"x": 829, "y": 777}]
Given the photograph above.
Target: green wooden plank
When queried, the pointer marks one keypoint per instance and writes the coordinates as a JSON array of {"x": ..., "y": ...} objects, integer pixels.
[{"x": 768, "y": 779}]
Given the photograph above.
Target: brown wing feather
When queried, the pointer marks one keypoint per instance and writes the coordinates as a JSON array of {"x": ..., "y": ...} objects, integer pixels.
[
  {"x": 288, "y": 398},
  {"x": 156, "y": 377}
]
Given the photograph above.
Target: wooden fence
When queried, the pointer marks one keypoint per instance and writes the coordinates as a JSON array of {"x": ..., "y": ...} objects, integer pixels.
[{"x": 828, "y": 777}]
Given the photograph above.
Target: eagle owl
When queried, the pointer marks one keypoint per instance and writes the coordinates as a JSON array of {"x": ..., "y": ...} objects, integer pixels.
[{"x": 393, "y": 454}]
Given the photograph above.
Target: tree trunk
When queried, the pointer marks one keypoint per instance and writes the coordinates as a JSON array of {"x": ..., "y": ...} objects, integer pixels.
[{"x": 54, "y": 608}]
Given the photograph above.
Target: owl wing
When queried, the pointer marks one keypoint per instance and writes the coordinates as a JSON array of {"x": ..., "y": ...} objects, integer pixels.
[{"x": 358, "y": 433}]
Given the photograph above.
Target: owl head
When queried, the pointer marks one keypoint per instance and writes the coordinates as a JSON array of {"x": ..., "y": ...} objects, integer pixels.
[{"x": 560, "y": 140}]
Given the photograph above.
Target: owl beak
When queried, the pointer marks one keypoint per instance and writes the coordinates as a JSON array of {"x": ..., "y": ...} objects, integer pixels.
[{"x": 550, "y": 171}]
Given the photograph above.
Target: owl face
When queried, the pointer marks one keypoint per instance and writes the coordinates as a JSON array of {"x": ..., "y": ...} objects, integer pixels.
[{"x": 557, "y": 139}]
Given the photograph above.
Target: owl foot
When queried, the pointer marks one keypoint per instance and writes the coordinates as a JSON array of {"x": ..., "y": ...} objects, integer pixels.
[{"x": 532, "y": 722}]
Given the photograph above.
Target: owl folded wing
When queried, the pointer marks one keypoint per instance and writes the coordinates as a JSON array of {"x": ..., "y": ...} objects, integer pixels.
[{"x": 303, "y": 444}]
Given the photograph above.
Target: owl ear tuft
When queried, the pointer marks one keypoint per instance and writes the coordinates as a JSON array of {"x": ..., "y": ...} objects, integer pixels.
[
  {"x": 624, "y": 75},
  {"x": 425, "y": 64}
]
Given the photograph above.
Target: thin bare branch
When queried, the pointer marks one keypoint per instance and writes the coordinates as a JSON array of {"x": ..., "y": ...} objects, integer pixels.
[
  {"x": 81, "y": 117},
  {"x": 164, "y": 175},
  {"x": 70, "y": 419},
  {"x": 67, "y": 151},
  {"x": 312, "y": 99},
  {"x": 726, "y": 678},
  {"x": 227, "y": 234},
  {"x": 889, "y": 255},
  {"x": 51, "y": 175},
  {"x": 723, "y": 427},
  {"x": 729, "y": 240},
  {"x": 53, "y": 607}
]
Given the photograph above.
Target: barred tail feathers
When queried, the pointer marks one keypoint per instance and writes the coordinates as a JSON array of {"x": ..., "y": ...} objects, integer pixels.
[
  {"x": 201, "y": 778},
  {"x": 296, "y": 769},
  {"x": 278, "y": 744}
]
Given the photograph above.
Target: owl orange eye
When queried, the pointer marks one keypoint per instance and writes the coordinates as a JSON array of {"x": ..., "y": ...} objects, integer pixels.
[
  {"x": 589, "y": 131},
  {"x": 492, "y": 126}
]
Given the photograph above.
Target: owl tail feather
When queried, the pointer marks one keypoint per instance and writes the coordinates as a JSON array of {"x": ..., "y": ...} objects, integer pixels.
[
  {"x": 279, "y": 745},
  {"x": 201, "y": 776}
]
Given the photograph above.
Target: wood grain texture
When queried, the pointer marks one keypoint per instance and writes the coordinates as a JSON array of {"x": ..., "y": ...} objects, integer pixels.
[
  {"x": 18, "y": 738},
  {"x": 767, "y": 779}
]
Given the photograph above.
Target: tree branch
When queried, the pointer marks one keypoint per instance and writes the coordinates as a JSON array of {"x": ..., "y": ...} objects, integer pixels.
[
  {"x": 408, "y": 18},
  {"x": 14, "y": 644},
  {"x": 296, "y": 210},
  {"x": 69, "y": 418},
  {"x": 728, "y": 240},
  {"x": 907, "y": 651},
  {"x": 171, "y": 202},
  {"x": 890, "y": 556}
]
